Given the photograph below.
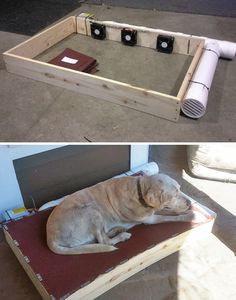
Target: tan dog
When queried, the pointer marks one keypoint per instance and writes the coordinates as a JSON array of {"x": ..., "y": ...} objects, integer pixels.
[{"x": 96, "y": 218}]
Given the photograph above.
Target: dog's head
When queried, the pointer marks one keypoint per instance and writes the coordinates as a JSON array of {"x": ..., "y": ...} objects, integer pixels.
[{"x": 163, "y": 194}]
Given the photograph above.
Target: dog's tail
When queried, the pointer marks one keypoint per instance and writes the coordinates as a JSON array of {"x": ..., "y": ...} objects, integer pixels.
[{"x": 81, "y": 249}]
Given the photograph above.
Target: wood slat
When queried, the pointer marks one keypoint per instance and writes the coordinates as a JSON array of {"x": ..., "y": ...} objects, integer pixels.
[
  {"x": 144, "y": 100},
  {"x": 191, "y": 70},
  {"x": 41, "y": 289}
]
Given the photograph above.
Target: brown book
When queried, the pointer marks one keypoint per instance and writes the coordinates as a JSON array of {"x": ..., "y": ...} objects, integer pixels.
[{"x": 76, "y": 61}]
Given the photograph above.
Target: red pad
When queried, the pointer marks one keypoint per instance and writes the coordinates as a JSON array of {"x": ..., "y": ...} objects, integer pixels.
[
  {"x": 63, "y": 275},
  {"x": 85, "y": 63}
]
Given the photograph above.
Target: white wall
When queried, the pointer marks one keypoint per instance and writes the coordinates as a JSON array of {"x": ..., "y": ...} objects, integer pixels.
[
  {"x": 10, "y": 195},
  {"x": 138, "y": 155}
]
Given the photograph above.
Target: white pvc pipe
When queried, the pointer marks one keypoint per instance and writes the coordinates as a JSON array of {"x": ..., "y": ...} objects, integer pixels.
[
  {"x": 148, "y": 169},
  {"x": 51, "y": 204},
  {"x": 195, "y": 100},
  {"x": 226, "y": 49}
]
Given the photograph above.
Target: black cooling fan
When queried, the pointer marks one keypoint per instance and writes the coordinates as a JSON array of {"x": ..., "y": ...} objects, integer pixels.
[
  {"x": 129, "y": 37},
  {"x": 98, "y": 31},
  {"x": 165, "y": 43}
]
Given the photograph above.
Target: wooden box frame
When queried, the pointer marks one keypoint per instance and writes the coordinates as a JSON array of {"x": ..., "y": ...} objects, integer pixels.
[{"x": 20, "y": 60}]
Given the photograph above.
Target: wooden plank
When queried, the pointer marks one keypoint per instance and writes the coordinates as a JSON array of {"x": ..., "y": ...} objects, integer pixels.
[
  {"x": 191, "y": 70},
  {"x": 41, "y": 289},
  {"x": 81, "y": 21},
  {"x": 107, "y": 281},
  {"x": 194, "y": 43},
  {"x": 147, "y": 37},
  {"x": 144, "y": 100},
  {"x": 45, "y": 39}
]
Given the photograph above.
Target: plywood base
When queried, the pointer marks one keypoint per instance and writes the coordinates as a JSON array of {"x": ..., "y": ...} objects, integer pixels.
[{"x": 89, "y": 275}]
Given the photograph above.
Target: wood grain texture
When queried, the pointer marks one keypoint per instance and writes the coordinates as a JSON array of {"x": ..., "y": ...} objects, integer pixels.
[
  {"x": 191, "y": 70},
  {"x": 82, "y": 22},
  {"x": 39, "y": 286},
  {"x": 144, "y": 100}
]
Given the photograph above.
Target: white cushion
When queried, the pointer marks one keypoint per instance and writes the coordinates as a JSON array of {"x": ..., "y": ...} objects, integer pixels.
[{"x": 213, "y": 161}]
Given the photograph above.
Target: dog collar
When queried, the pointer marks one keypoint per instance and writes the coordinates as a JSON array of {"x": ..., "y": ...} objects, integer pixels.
[{"x": 140, "y": 195}]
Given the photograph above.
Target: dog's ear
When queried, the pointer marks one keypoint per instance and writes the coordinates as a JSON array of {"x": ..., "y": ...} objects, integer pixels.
[
  {"x": 153, "y": 188},
  {"x": 152, "y": 198}
]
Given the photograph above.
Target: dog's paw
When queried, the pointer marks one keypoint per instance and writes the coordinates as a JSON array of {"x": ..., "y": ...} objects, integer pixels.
[
  {"x": 194, "y": 217},
  {"x": 125, "y": 236},
  {"x": 188, "y": 216}
]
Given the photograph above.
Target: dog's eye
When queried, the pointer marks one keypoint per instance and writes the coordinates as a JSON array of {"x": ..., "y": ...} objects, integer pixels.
[{"x": 165, "y": 206}]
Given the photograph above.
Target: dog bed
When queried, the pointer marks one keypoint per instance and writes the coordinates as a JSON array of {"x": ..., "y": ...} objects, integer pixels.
[
  {"x": 86, "y": 276},
  {"x": 213, "y": 161}
]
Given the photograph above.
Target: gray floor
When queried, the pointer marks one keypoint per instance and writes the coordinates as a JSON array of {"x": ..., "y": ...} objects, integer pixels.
[
  {"x": 205, "y": 270},
  {"x": 226, "y": 8},
  {"x": 33, "y": 111},
  {"x": 149, "y": 69}
]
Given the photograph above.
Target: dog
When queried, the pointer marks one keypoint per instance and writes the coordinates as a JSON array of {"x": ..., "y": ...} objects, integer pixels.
[{"x": 95, "y": 219}]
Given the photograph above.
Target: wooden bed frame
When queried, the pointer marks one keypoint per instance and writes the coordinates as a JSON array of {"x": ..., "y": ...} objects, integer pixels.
[
  {"x": 160, "y": 241},
  {"x": 20, "y": 60}
]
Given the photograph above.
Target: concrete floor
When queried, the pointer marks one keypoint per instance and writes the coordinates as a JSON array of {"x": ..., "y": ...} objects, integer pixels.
[
  {"x": 33, "y": 111},
  {"x": 226, "y": 8},
  {"x": 204, "y": 270},
  {"x": 149, "y": 69}
]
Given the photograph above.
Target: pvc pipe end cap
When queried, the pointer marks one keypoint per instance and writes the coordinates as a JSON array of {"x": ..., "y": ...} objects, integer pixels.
[{"x": 193, "y": 108}]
